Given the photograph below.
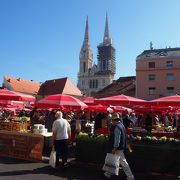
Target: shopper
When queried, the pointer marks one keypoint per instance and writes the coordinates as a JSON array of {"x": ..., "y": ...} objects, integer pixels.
[
  {"x": 119, "y": 145},
  {"x": 148, "y": 123},
  {"x": 50, "y": 119},
  {"x": 61, "y": 133}
]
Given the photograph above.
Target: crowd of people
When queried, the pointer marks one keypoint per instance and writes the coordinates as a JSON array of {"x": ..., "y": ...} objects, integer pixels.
[
  {"x": 65, "y": 125},
  {"x": 79, "y": 119}
]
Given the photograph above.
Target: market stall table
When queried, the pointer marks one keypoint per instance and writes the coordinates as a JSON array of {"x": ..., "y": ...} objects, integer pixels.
[
  {"x": 160, "y": 134},
  {"x": 28, "y": 146}
]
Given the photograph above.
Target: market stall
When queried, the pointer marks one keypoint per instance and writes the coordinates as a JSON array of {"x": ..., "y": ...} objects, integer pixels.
[
  {"x": 154, "y": 138},
  {"x": 26, "y": 146},
  {"x": 19, "y": 141},
  {"x": 160, "y": 155}
]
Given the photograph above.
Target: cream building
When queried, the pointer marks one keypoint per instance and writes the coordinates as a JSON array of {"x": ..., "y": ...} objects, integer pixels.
[
  {"x": 158, "y": 73},
  {"x": 92, "y": 77}
]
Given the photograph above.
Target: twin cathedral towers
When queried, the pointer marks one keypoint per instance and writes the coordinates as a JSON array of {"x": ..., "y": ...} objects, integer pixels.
[{"x": 92, "y": 77}]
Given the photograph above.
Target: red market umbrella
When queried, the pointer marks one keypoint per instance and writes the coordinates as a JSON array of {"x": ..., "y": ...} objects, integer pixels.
[
  {"x": 166, "y": 101},
  {"x": 5, "y": 103},
  {"x": 121, "y": 109},
  {"x": 89, "y": 100},
  {"x": 60, "y": 101},
  {"x": 100, "y": 107},
  {"x": 120, "y": 100},
  {"x": 16, "y": 96},
  {"x": 154, "y": 109}
]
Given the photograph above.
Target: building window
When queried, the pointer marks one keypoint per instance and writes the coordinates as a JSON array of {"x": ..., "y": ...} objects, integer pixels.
[
  {"x": 169, "y": 77},
  {"x": 152, "y": 77},
  {"x": 84, "y": 67},
  {"x": 151, "y": 64},
  {"x": 96, "y": 83},
  {"x": 169, "y": 63},
  {"x": 152, "y": 90},
  {"x": 93, "y": 86},
  {"x": 170, "y": 91},
  {"x": 90, "y": 84}
]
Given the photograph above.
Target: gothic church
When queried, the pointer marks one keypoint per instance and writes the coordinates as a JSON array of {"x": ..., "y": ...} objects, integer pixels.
[{"x": 92, "y": 77}]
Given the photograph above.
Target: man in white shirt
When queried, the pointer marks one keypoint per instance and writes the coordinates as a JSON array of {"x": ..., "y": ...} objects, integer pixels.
[{"x": 61, "y": 133}]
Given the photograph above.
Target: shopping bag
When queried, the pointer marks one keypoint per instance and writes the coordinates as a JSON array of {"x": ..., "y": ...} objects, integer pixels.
[
  {"x": 111, "y": 164},
  {"x": 52, "y": 158}
]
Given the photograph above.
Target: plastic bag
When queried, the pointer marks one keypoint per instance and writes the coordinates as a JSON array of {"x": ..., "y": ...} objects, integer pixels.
[
  {"x": 111, "y": 164},
  {"x": 52, "y": 158}
]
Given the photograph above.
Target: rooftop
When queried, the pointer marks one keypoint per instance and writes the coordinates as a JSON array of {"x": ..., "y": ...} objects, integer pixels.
[
  {"x": 154, "y": 53},
  {"x": 59, "y": 86},
  {"x": 124, "y": 85},
  {"x": 21, "y": 85}
]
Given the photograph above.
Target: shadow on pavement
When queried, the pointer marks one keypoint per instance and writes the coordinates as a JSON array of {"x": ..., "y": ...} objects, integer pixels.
[
  {"x": 17, "y": 169},
  {"x": 71, "y": 172},
  {"x": 9, "y": 160}
]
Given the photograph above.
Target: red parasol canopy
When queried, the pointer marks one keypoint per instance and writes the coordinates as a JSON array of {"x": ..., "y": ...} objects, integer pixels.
[
  {"x": 100, "y": 107},
  {"x": 16, "y": 96},
  {"x": 154, "y": 109},
  {"x": 167, "y": 101},
  {"x": 60, "y": 101},
  {"x": 120, "y": 100},
  {"x": 89, "y": 100},
  {"x": 5, "y": 103},
  {"x": 121, "y": 109}
]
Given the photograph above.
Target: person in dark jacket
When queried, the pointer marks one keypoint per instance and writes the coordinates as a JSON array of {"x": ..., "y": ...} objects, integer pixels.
[
  {"x": 50, "y": 119},
  {"x": 148, "y": 123},
  {"x": 118, "y": 137}
]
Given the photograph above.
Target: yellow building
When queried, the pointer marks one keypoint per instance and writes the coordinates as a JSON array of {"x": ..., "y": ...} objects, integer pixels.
[{"x": 158, "y": 73}]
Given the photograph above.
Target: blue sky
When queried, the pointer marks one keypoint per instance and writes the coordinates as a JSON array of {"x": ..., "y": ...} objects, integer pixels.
[{"x": 41, "y": 39}]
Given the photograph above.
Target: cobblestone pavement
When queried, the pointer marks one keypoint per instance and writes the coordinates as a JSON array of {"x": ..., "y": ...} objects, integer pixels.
[{"x": 15, "y": 169}]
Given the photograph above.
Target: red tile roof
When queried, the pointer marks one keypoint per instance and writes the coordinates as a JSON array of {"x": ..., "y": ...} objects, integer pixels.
[
  {"x": 59, "y": 86},
  {"x": 21, "y": 85}
]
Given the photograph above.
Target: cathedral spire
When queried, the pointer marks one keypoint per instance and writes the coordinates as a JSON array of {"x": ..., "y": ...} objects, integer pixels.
[
  {"x": 106, "y": 32},
  {"x": 86, "y": 56},
  {"x": 106, "y": 39},
  {"x": 86, "y": 35}
]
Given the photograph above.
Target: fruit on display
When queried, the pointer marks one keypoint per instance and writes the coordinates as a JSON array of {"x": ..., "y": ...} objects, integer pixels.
[
  {"x": 82, "y": 136},
  {"x": 154, "y": 138},
  {"x": 148, "y": 138},
  {"x": 23, "y": 118},
  {"x": 163, "y": 139},
  {"x": 171, "y": 139},
  {"x": 101, "y": 138},
  {"x": 169, "y": 129},
  {"x": 160, "y": 127},
  {"x": 138, "y": 138}
]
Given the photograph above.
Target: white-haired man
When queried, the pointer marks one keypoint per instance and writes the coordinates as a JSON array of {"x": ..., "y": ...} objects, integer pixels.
[{"x": 61, "y": 133}]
